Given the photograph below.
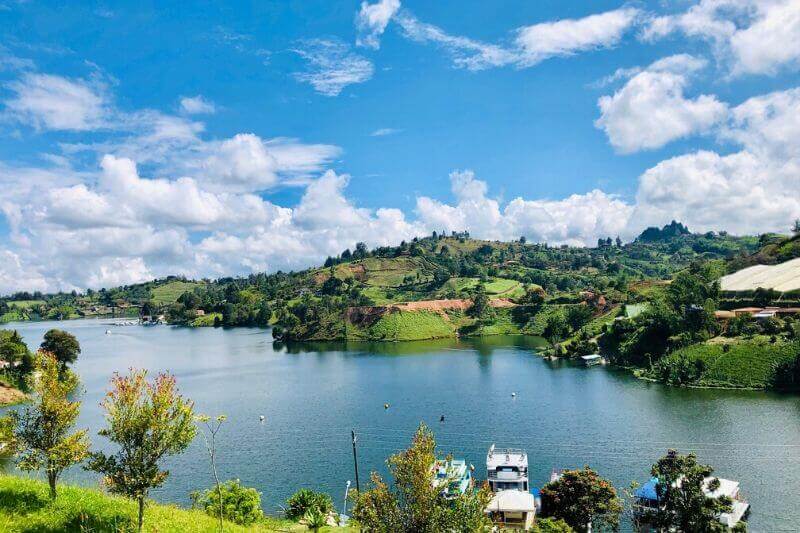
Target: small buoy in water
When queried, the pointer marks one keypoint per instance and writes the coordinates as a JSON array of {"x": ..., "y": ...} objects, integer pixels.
[
  {"x": 386, "y": 406},
  {"x": 441, "y": 418},
  {"x": 513, "y": 394},
  {"x": 261, "y": 418}
]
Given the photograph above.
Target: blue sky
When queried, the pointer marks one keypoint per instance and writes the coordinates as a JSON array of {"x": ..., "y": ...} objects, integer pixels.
[{"x": 204, "y": 139}]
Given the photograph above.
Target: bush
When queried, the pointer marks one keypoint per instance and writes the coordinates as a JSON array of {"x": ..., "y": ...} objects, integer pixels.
[
  {"x": 551, "y": 525},
  {"x": 240, "y": 504},
  {"x": 306, "y": 500}
]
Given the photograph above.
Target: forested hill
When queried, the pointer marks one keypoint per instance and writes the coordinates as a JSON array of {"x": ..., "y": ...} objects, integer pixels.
[{"x": 314, "y": 303}]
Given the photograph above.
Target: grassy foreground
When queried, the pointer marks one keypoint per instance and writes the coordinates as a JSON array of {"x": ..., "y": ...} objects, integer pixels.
[{"x": 26, "y": 507}]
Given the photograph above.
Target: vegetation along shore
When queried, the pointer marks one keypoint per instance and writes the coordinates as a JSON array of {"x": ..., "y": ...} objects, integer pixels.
[{"x": 654, "y": 305}]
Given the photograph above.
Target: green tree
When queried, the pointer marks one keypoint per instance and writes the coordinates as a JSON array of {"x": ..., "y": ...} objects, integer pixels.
[
  {"x": 148, "y": 422},
  {"x": 63, "y": 345},
  {"x": 583, "y": 500},
  {"x": 551, "y": 525},
  {"x": 240, "y": 504},
  {"x": 42, "y": 434},
  {"x": 304, "y": 500},
  {"x": 578, "y": 315},
  {"x": 414, "y": 504},
  {"x": 684, "y": 506},
  {"x": 555, "y": 328},
  {"x": 481, "y": 307}
]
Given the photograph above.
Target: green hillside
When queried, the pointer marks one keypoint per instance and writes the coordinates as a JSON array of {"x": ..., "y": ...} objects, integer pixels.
[
  {"x": 168, "y": 293},
  {"x": 312, "y": 304},
  {"x": 754, "y": 363}
]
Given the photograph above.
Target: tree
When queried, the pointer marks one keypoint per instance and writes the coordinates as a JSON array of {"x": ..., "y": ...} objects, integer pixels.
[
  {"x": 240, "y": 504},
  {"x": 551, "y": 525},
  {"x": 796, "y": 226},
  {"x": 480, "y": 302},
  {"x": 305, "y": 500},
  {"x": 148, "y": 422},
  {"x": 555, "y": 328},
  {"x": 42, "y": 432},
  {"x": 683, "y": 504},
  {"x": 583, "y": 500},
  {"x": 63, "y": 345},
  {"x": 414, "y": 504},
  {"x": 578, "y": 315},
  {"x": 211, "y": 428}
]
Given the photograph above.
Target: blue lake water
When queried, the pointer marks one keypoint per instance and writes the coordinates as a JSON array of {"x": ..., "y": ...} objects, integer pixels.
[{"x": 313, "y": 395}]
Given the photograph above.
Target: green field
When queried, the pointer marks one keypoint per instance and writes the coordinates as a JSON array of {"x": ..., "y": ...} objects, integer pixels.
[
  {"x": 745, "y": 363},
  {"x": 405, "y": 326},
  {"x": 25, "y": 507},
  {"x": 506, "y": 288},
  {"x": 170, "y": 292},
  {"x": 25, "y": 304}
]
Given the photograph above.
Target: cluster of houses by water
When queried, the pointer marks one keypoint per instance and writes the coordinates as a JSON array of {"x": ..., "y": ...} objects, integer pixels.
[{"x": 515, "y": 503}]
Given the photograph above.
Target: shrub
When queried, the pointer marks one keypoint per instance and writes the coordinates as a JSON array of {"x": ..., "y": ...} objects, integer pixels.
[
  {"x": 305, "y": 500},
  {"x": 240, "y": 504}
]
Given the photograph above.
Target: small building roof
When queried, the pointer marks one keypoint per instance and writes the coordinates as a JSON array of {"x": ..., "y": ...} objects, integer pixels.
[
  {"x": 512, "y": 500},
  {"x": 724, "y": 314},
  {"x": 747, "y": 310}
]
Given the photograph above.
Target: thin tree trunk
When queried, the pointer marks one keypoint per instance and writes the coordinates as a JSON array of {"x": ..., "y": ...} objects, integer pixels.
[
  {"x": 51, "y": 480},
  {"x": 141, "y": 512}
]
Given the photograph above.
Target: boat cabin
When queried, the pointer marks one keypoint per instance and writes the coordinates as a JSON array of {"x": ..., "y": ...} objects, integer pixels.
[
  {"x": 513, "y": 505},
  {"x": 452, "y": 476}
]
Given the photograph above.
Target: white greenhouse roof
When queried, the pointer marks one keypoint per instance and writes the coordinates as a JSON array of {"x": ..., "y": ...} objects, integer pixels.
[{"x": 783, "y": 277}]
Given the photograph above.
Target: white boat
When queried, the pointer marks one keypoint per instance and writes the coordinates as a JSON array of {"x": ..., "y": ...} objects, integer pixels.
[
  {"x": 513, "y": 506},
  {"x": 591, "y": 360}
]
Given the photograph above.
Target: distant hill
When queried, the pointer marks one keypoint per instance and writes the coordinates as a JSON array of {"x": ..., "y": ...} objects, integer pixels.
[
  {"x": 313, "y": 303},
  {"x": 670, "y": 231}
]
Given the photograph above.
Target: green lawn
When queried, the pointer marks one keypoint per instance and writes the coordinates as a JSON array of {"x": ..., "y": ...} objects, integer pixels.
[
  {"x": 170, "y": 292},
  {"x": 25, "y": 506}
]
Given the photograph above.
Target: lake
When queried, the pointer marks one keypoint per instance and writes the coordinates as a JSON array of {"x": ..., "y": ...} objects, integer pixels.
[{"x": 312, "y": 396}]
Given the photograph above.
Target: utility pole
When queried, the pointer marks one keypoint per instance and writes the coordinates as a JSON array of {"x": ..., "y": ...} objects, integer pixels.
[{"x": 355, "y": 458}]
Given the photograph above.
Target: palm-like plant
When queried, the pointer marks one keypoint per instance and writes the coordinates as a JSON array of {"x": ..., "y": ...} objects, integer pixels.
[{"x": 315, "y": 519}]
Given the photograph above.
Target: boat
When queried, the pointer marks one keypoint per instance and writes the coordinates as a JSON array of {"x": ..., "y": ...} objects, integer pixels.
[
  {"x": 452, "y": 477},
  {"x": 646, "y": 500},
  {"x": 591, "y": 360},
  {"x": 513, "y": 505}
]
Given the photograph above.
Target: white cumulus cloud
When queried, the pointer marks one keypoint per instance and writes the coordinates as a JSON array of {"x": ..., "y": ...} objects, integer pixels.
[{"x": 651, "y": 109}]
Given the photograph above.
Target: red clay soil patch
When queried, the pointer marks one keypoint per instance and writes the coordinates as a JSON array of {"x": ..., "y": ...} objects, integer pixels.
[
  {"x": 9, "y": 395},
  {"x": 359, "y": 272},
  {"x": 443, "y": 305}
]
